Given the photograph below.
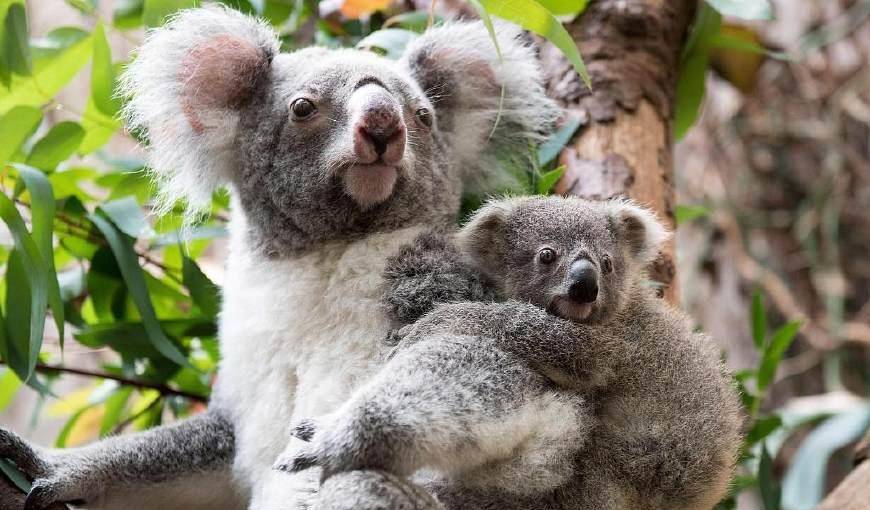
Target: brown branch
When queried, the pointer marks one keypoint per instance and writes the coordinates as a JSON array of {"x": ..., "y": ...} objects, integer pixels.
[{"x": 163, "y": 389}]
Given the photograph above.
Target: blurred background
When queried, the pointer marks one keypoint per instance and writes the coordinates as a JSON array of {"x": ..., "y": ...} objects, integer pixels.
[{"x": 772, "y": 182}]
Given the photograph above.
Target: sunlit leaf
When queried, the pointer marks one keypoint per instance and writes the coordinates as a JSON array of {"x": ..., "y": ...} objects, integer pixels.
[
  {"x": 103, "y": 74},
  {"x": 533, "y": 17},
  {"x": 56, "y": 146},
  {"x": 85, "y": 6},
  {"x": 132, "y": 273},
  {"x": 16, "y": 126},
  {"x": 127, "y": 13},
  {"x": 415, "y": 21},
  {"x": 686, "y": 213},
  {"x": 565, "y": 7},
  {"x": 114, "y": 408},
  {"x": 744, "y": 9},
  {"x": 779, "y": 343},
  {"x": 9, "y": 384},
  {"x": 549, "y": 179}
]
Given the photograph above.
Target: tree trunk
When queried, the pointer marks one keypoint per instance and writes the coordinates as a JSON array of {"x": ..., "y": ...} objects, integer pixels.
[{"x": 632, "y": 50}]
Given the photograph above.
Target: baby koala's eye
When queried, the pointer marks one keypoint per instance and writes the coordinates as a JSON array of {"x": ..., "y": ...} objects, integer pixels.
[
  {"x": 424, "y": 116},
  {"x": 606, "y": 265},
  {"x": 547, "y": 256},
  {"x": 302, "y": 109}
]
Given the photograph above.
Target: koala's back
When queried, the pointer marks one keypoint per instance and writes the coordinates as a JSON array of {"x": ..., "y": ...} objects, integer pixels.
[{"x": 670, "y": 421}]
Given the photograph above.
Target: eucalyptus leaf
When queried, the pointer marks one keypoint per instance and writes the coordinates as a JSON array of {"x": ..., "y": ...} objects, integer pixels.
[
  {"x": 15, "y": 45},
  {"x": 552, "y": 147},
  {"x": 779, "y": 343},
  {"x": 390, "y": 42},
  {"x": 16, "y": 126},
  {"x": 759, "y": 321},
  {"x": 56, "y": 146},
  {"x": 103, "y": 74}
]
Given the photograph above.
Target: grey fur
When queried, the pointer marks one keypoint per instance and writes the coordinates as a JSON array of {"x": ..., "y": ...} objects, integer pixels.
[
  {"x": 211, "y": 92},
  {"x": 649, "y": 395},
  {"x": 93, "y": 474}
]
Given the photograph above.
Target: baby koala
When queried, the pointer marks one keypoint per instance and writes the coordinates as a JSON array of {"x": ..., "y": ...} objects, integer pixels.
[{"x": 581, "y": 390}]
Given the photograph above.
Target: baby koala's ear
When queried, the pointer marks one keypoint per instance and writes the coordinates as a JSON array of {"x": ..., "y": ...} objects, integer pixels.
[
  {"x": 482, "y": 238},
  {"x": 638, "y": 228},
  {"x": 185, "y": 89},
  {"x": 459, "y": 69}
]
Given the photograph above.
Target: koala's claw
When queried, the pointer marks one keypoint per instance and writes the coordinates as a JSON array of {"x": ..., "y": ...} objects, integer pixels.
[
  {"x": 297, "y": 462},
  {"x": 40, "y": 497},
  {"x": 304, "y": 430}
]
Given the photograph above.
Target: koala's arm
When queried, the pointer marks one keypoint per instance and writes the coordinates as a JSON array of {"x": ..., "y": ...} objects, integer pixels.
[
  {"x": 184, "y": 465},
  {"x": 427, "y": 272},
  {"x": 572, "y": 355}
]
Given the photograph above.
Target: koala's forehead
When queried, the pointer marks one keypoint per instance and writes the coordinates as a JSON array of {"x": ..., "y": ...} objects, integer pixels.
[
  {"x": 565, "y": 222},
  {"x": 333, "y": 72}
]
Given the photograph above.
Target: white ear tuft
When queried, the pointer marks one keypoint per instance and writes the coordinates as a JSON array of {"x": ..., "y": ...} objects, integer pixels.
[
  {"x": 639, "y": 228},
  {"x": 184, "y": 90},
  {"x": 460, "y": 71}
]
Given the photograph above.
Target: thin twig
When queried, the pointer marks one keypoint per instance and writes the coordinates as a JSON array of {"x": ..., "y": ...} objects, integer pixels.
[
  {"x": 122, "y": 425},
  {"x": 161, "y": 388}
]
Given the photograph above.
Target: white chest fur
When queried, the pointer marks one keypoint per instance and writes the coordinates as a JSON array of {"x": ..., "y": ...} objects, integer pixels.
[{"x": 297, "y": 337}]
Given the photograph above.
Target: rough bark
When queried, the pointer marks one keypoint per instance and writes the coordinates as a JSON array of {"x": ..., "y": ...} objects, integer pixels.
[{"x": 632, "y": 50}]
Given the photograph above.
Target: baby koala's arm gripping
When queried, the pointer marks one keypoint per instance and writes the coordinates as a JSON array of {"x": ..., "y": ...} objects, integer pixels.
[
  {"x": 578, "y": 356},
  {"x": 427, "y": 272},
  {"x": 124, "y": 470}
]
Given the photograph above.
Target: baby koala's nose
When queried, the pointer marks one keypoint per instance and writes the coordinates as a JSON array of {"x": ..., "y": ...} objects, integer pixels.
[
  {"x": 583, "y": 281},
  {"x": 380, "y": 133}
]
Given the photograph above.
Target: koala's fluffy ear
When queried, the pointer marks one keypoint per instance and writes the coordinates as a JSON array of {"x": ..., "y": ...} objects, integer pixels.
[
  {"x": 458, "y": 68},
  {"x": 482, "y": 237},
  {"x": 185, "y": 89},
  {"x": 638, "y": 228}
]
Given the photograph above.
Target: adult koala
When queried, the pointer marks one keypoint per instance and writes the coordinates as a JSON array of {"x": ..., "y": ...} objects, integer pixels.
[{"x": 334, "y": 159}]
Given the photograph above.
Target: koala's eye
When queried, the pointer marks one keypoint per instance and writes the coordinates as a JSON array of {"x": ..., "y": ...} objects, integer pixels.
[
  {"x": 302, "y": 109},
  {"x": 547, "y": 256},
  {"x": 424, "y": 116},
  {"x": 606, "y": 265}
]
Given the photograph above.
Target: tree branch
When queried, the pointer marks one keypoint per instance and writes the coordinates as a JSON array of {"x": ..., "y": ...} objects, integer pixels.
[{"x": 163, "y": 389}]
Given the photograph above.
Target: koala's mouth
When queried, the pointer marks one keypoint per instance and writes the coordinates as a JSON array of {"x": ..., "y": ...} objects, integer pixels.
[
  {"x": 370, "y": 184},
  {"x": 567, "y": 308}
]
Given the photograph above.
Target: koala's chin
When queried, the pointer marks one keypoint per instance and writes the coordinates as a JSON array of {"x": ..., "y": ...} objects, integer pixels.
[
  {"x": 370, "y": 185},
  {"x": 569, "y": 309}
]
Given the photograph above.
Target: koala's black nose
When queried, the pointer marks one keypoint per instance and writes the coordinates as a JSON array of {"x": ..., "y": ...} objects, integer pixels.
[{"x": 583, "y": 281}]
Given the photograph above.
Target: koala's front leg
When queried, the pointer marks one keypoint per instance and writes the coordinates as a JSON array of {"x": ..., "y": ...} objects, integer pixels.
[
  {"x": 168, "y": 466},
  {"x": 427, "y": 272}
]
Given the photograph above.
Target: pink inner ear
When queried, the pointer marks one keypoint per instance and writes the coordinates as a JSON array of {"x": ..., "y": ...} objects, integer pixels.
[{"x": 218, "y": 73}]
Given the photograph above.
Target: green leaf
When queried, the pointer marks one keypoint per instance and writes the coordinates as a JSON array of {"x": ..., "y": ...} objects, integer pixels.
[
  {"x": 415, "y": 21},
  {"x": 533, "y": 17},
  {"x": 389, "y": 42},
  {"x": 128, "y": 262},
  {"x": 9, "y": 384},
  {"x": 50, "y": 74},
  {"x": 204, "y": 293},
  {"x": 779, "y": 343},
  {"x": 16, "y": 48},
  {"x": 42, "y": 221},
  {"x": 693, "y": 69},
  {"x": 12, "y": 473},
  {"x": 103, "y": 74},
  {"x": 731, "y": 42},
  {"x": 16, "y": 126},
  {"x": 686, "y": 213},
  {"x": 766, "y": 484},
  {"x": 37, "y": 279},
  {"x": 85, "y": 6},
  {"x": 99, "y": 128},
  {"x": 743, "y": 9},
  {"x": 154, "y": 12},
  {"x": 759, "y": 321},
  {"x": 127, "y": 13},
  {"x": 549, "y": 179},
  {"x": 565, "y": 7},
  {"x": 552, "y": 147},
  {"x": 62, "y": 437},
  {"x": 804, "y": 483},
  {"x": 115, "y": 405},
  {"x": 762, "y": 428},
  {"x": 126, "y": 214},
  {"x": 56, "y": 146}
]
